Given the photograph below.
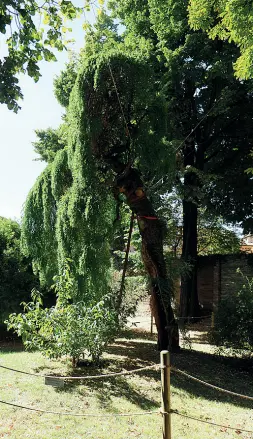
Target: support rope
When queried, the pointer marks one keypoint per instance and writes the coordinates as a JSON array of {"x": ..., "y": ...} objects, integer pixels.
[
  {"x": 176, "y": 412},
  {"x": 239, "y": 395},
  {"x": 120, "y": 104},
  {"x": 87, "y": 377},
  {"x": 84, "y": 415}
]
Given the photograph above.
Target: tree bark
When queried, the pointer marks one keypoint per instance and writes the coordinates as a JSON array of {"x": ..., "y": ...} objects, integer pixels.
[{"x": 152, "y": 231}]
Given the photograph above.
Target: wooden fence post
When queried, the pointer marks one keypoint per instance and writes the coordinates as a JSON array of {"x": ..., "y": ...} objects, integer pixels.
[{"x": 165, "y": 393}]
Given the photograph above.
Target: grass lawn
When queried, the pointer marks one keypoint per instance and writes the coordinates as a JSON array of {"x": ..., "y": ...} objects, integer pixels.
[{"x": 133, "y": 393}]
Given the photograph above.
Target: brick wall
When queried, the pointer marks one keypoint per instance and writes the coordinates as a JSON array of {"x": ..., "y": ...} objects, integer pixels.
[{"x": 217, "y": 276}]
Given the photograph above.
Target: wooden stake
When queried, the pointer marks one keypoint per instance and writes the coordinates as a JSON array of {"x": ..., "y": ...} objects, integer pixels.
[
  {"x": 151, "y": 326},
  {"x": 212, "y": 320},
  {"x": 165, "y": 393}
]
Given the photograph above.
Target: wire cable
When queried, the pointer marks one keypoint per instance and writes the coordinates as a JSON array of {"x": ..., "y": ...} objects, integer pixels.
[
  {"x": 197, "y": 125},
  {"x": 192, "y": 131},
  {"x": 118, "y": 97}
]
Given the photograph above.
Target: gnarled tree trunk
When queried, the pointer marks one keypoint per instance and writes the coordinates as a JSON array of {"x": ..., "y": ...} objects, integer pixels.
[{"x": 151, "y": 230}]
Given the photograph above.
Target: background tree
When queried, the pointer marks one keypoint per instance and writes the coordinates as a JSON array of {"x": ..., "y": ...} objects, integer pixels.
[
  {"x": 16, "y": 275},
  {"x": 27, "y": 42},
  {"x": 215, "y": 236},
  {"x": 229, "y": 20},
  {"x": 208, "y": 117}
]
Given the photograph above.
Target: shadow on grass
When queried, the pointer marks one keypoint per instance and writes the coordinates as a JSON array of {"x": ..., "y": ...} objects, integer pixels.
[
  {"x": 227, "y": 372},
  {"x": 137, "y": 350},
  {"x": 119, "y": 387}
]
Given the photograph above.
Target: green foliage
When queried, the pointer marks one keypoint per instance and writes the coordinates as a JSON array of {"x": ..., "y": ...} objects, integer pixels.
[
  {"x": 144, "y": 109},
  {"x": 195, "y": 76},
  {"x": 38, "y": 227},
  {"x": 27, "y": 42},
  {"x": 64, "y": 83},
  {"x": 136, "y": 287},
  {"x": 230, "y": 20},
  {"x": 214, "y": 234},
  {"x": 69, "y": 212},
  {"x": 67, "y": 328},
  {"x": 234, "y": 319},
  {"x": 215, "y": 237},
  {"x": 208, "y": 118},
  {"x": 16, "y": 276},
  {"x": 49, "y": 142}
]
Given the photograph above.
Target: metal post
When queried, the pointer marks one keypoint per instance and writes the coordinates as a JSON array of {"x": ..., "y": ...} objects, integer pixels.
[{"x": 165, "y": 393}]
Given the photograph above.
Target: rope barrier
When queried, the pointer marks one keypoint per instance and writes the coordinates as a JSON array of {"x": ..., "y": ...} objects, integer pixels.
[
  {"x": 152, "y": 412},
  {"x": 87, "y": 377},
  {"x": 250, "y": 398},
  {"x": 135, "y": 413},
  {"x": 79, "y": 414},
  {"x": 21, "y": 371},
  {"x": 199, "y": 317},
  {"x": 209, "y": 422},
  {"x": 178, "y": 318}
]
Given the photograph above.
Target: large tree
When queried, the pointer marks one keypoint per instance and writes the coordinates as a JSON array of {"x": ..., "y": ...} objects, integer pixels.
[
  {"x": 114, "y": 119},
  {"x": 209, "y": 122}
]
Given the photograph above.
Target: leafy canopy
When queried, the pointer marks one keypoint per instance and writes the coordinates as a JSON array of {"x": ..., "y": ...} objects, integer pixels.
[
  {"x": 230, "y": 20},
  {"x": 205, "y": 104},
  {"x": 32, "y": 30}
]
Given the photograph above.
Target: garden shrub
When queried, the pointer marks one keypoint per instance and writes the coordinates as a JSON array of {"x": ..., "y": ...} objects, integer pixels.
[
  {"x": 234, "y": 319},
  {"x": 68, "y": 328}
]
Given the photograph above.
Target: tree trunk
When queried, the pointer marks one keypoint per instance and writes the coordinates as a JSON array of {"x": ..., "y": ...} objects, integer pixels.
[
  {"x": 189, "y": 304},
  {"x": 152, "y": 230}
]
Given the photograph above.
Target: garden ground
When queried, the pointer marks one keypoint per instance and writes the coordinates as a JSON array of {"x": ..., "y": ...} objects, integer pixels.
[{"x": 126, "y": 394}]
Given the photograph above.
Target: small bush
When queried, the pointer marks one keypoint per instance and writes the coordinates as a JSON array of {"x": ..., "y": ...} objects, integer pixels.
[
  {"x": 67, "y": 328},
  {"x": 234, "y": 319}
]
